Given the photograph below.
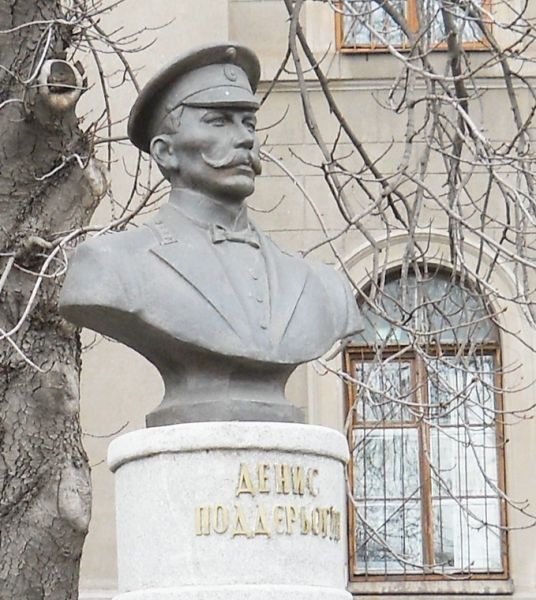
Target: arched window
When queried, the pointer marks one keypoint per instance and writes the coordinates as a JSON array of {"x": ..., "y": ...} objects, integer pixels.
[{"x": 426, "y": 433}]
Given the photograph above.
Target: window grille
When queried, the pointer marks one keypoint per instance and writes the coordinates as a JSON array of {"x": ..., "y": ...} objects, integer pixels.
[
  {"x": 367, "y": 25},
  {"x": 426, "y": 435}
]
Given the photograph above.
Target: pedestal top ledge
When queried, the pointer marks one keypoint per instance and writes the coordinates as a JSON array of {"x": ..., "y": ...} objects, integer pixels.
[{"x": 228, "y": 435}]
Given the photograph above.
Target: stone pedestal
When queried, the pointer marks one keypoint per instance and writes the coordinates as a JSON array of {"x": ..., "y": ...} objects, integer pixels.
[{"x": 231, "y": 511}]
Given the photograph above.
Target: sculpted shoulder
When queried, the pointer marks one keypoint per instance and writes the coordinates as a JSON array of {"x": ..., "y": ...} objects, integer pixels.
[
  {"x": 103, "y": 272},
  {"x": 347, "y": 317}
]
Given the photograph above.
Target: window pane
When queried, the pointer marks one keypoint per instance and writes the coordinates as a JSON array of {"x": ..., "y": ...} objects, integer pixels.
[
  {"x": 377, "y": 328},
  {"x": 392, "y": 305},
  {"x": 452, "y": 313},
  {"x": 360, "y": 13},
  {"x": 462, "y": 390},
  {"x": 388, "y": 537},
  {"x": 385, "y": 391},
  {"x": 464, "y": 21},
  {"x": 467, "y": 537},
  {"x": 464, "y": 463},
  {"x": 437, "y": 306},
  {"x": 386, "y": 463}
]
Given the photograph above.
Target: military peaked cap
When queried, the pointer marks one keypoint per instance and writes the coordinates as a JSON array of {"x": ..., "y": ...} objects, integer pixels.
[{"x": 220, "y": 75}]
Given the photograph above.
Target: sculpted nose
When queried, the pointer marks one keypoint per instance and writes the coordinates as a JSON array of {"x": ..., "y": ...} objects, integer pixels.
[{"x": 245, "y": 138}]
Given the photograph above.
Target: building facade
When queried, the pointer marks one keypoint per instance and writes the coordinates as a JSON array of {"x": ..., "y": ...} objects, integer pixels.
[{"x": 429, "y": 516}]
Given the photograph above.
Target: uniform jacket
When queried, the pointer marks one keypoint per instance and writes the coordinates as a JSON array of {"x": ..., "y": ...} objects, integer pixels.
[{"x": 162, "y": 289}]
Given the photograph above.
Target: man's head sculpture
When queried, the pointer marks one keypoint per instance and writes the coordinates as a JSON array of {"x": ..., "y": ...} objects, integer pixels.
[
  {"x": 199, "y": 290},
  {"x": 197, "y": 119}
]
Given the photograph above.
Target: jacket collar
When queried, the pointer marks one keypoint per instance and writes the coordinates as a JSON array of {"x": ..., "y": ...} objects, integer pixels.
[{"x": 206, "y": 211}]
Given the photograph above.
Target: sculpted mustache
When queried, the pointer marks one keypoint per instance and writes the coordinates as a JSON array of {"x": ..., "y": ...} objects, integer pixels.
[{"x": 234, "y": 160}]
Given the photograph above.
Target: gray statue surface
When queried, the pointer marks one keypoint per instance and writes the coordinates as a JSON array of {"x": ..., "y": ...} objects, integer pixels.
[{"x": 211, "y": 301}]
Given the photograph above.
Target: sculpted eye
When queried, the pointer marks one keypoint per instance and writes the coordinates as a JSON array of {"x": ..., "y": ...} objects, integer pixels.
[
  {"x": 215, "y": 119},
  {"x": 251, "y": 125}
]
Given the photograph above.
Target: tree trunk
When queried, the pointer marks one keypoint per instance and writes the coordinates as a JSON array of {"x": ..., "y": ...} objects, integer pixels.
[{"x": 44, "y": 473}]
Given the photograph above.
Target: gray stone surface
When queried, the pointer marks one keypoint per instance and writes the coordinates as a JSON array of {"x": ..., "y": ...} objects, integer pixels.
[
  {"x": 166, "y": 475},
  {"x": 200, "y": 291},
  {"x": 239, "y": 592}
]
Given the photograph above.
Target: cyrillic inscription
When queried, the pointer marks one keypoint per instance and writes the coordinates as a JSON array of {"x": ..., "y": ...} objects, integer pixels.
[
  {"x": 279, "y": 520},
  {"x": 283, "y": 519},
  {"x": 277, "y": 478}
]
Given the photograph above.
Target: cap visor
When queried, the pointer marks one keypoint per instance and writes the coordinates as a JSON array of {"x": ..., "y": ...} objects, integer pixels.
[{"x": 227, "y": 95}]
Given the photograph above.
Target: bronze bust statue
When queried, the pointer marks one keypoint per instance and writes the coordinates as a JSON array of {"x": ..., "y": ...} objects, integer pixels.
[{"x": 211, "y": 301}]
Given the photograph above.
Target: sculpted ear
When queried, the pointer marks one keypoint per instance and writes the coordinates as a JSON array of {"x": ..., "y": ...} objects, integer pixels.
[{"x": 162, "y": 151}]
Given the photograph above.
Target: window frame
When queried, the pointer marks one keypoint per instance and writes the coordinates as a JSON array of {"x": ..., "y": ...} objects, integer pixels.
[
  {"x": 358, "y": 353},
  {"x": 481, "y": 45}
]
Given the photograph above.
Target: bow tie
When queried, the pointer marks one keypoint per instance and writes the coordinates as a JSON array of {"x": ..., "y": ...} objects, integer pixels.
[{"x": 219, "y": 234}]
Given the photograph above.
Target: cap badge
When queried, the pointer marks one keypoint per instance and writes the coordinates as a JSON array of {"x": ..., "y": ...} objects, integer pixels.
[{"x": 230, "y": 72}]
